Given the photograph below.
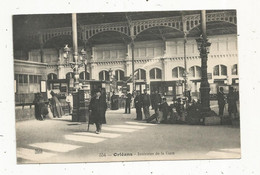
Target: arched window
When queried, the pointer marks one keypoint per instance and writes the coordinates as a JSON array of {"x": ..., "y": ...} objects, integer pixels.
[
  {"x": 220, "y": 70},
  {"x": 141, "y": 74},
  {"x": 119, "y": 75},
  {"x": 52, "y": 76},
  {"x": 69, "y": 75},
  {"x": 104, "y": 75},
  {"x": 234, "y": 70},
  {"x": 195, "y": 72},
  {"x": 178, "y": 72},
  {"x": 82, "y": 76},
  {"x": 155, "y": 73}
]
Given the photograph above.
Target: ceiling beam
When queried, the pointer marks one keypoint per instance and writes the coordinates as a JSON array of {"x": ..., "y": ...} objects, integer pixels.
[{"x": 161, "y": 33}]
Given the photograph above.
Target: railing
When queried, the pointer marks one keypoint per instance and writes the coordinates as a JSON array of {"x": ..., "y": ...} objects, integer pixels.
[
  {"x": 29, "y": 104},
  {"x": 185, "y": 23},
  {"x": 26, "y": 99}
]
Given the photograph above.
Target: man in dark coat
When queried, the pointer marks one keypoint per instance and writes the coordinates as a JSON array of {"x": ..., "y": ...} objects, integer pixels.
[
  {"x": 138, "y": 106},
  {"x": 146, "y": 104},
  {"x": 39, "y": 106},
  {"x": 152, "y": 99},
  {"x": 164, "y": 108},
  {"x": 114, "y": 101},
  {"x": 157, "y": 101},
  {"x": 232, "y": 102},
  {"x": 97, "y": 109},
  {"x": 221, "y": 101},
  {"x": 104, "y": 98},
  {"x": 128, "y": 101}
]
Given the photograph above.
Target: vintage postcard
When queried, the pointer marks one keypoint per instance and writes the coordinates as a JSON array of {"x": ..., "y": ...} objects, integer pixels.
[{"x": 126, "y": 86}]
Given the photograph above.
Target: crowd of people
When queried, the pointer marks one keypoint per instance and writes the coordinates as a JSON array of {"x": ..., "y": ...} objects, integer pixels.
[
  {"x": 142, "y": 104},
  {"x": 181, "y": 107},
  {"x": 163, "y": 113}
]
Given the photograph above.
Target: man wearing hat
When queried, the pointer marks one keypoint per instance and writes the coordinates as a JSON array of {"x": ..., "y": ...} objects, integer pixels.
[
  {"x": 138, "y": 106},
  {"x": 221, "y": 101},
  {"x": 97, "y": 109},
  {"x": 146, "y": 104},
  {"x": 164, "y": 108},
  {"x": 128, "y": 102}
]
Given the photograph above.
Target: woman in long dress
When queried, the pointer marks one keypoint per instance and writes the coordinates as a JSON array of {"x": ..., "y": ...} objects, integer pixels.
[{"x": 56, "y": 106}]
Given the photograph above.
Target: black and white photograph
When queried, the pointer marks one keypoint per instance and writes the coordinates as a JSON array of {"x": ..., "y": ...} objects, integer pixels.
[
  {"x": 129, "y": 87},
  {"x": 126, "y": 86}
]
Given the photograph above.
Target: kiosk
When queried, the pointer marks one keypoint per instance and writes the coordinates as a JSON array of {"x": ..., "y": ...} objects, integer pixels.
[{"x": 81, "y": 100}]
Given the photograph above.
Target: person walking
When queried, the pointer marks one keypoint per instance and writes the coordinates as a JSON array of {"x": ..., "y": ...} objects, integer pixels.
[
  {"x": 98, "y": 107},
  {"x": 128, "y": 102},
  {"x": 56, "y": 106},
  {"x": 146, "y": 104},
  {"x": 138, "y": 105},
  {"x": 232, "y": 102},
  {"x": 221, "y": 101}
]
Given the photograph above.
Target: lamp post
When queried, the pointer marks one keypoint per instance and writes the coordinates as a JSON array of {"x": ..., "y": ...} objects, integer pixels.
[
  {"x": 133, "y": 63},
  {"x": 75, "y": 65},
  {"x": 203, "y": 47},
  {"x": 77, "y": 113},
  {"x": 185, "y": 68},
  {"x": 79, "y": 60}
]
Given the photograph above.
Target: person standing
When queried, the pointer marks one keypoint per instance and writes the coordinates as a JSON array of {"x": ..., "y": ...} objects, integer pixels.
[
  {"x": 37, "y": 112},
  {"x": 152, "y": 99},
  {"x": 138, "y": 106},
  {"x": 56, "y": 106},
  {"x": 157, "y": 101},
  {"x": 164, "y": 108},
  {"x": 104, "y": 98},
  {"x": 114, "y": 101},
  {"x": 232, "y": 102},
  {"x": 180, "y": 107},
  {"x": 221, "y": 101},
  {"x": 97, "y": 109},
  {"x": 128, "y": 101},
  {"x": 146, "y": 104},
  {"x": 43, "y": 107},
  {"x": 39, "y": 106},
  {"x": 69, "y": 100}
]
